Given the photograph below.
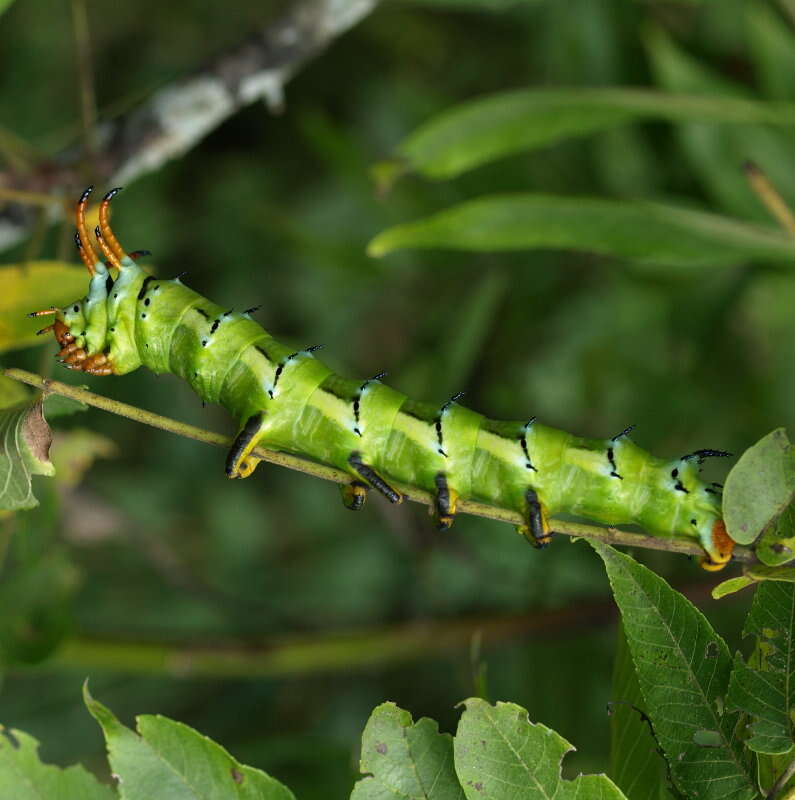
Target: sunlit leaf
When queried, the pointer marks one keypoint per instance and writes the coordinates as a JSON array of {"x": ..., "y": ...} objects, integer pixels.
[
  {"x": 405, "y": 759},
  {"x": 776, "y": 545},
  {"x": 683, "y": 669},
  {"x": 23, "y": 776},
  {"x": 767, "y": 691},
  {"x": 760, "y": 487},
  {"x": 34, "y": 286},
  {"x": 650, "y": 233}
]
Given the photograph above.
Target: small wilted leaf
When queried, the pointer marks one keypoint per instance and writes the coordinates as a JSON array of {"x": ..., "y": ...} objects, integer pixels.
[
  {"x": 25, "y": 439},
  {"x": 405, "y": 759},
  {"x": 760, "y": 487},
  {"x": 766, "y": 690}
]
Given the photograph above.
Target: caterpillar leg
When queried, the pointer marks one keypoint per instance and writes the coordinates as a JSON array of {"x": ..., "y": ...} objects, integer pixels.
[
  {"x": 354, "y": 495},
  {"x": 719, "y": 548},
  {"x": 444, "y": 503},
  {"x": 239, "y": 461},
  {"x": 372, "y": 478},
  {"x": 536, "y": 528}
]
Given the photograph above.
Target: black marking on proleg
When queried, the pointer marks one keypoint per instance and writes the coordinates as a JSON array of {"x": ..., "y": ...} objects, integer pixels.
[
  {"x": 202, "y": 312},
  {"x": 444, "y": 512},
  {"x": 204, "y": 343},
  {"x": 708, "y": 490},
  {"x": 523, "y": 441},
  {"x": 214, "y": 327},
  {"x": 252, "y": 309},
  {"x": 693, "y": 522},
  {"x": 535, "y": 519},
  {"x": 719, "y": 485},
  {"x": 354, "y": 495},
  {"x": 373, "y": 478},
  {"x": 147, "y": 301},
  {"x": 702, "y": 455},
  {"x": 310, "y": 349},
  {"x": 625, "y": 432},
  {"x": 145, "y": 285},
  {"x": 611, "y": 457},
  {"x": 680, "y": 487},
  {"x": 250, "y": 430}
]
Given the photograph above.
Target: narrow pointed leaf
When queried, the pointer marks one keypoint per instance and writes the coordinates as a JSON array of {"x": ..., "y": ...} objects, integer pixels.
[
  {"x": 501, "y": 755},
  {"x": 24, "y": 777},
  {"x": 683, "y": 670},
  {"x": 650, "y": 233},
  {"x": 766, "y": 691},
  {"x": 406, "y": 760},
  {"x": 487, "y": 128},
  {"x": 170, "y": 761}
]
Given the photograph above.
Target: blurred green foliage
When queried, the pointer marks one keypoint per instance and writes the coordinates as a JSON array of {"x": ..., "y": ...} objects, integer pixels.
[{"x": 278, "y": 210}]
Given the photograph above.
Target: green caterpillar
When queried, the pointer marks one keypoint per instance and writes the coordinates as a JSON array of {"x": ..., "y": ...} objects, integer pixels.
[{"x": 291, "y": 401}]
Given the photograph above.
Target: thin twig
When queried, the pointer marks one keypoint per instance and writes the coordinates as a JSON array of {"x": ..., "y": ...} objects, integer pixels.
[
  {"x": 88, "y": 103},
  {"x": 770, "y": 196},
  {"x": 577, "y": 529},
  {"x": 782, "y": 782}
]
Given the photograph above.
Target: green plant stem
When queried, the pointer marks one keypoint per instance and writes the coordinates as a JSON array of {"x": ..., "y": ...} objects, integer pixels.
[
  {"x": 608, "y": 535},
  {"x": 782, "y": 781}
]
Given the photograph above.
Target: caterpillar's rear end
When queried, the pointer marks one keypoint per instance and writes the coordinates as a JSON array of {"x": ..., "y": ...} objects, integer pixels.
[{"x": 288, "y": 400}]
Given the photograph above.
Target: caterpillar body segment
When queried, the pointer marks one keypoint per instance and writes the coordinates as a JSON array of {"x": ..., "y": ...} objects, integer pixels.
[{"x": 289, "y": 400}]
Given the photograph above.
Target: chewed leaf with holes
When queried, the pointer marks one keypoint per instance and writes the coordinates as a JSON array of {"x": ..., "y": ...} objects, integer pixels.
[
  {"x": 405, "y": 760},
  {"x": 24, "y": 451},
  {"x": 765, "y": 687},
  {"x": 683, "y": 670},
  {"x": 170, "y": 761},
  {"x": 24, "y": 777},
  {"x": 501, "y": 755}
]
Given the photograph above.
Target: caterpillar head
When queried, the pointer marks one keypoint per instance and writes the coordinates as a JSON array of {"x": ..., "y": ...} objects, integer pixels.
[{"x": 81, "y": 328}]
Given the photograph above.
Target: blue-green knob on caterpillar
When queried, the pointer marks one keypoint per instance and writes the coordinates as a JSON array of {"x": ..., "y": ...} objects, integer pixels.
[{"x": 290, "y": 401}]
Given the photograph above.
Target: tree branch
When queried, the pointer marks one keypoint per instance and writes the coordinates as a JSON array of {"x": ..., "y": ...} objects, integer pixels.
[
  {"x": 177, "y": 116},
  {"x": 603, "y": 534}
]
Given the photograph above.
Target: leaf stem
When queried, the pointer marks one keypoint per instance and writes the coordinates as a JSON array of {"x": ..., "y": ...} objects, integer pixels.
[
  {"x": 782, "y": 782},
  {"x": 607, "y": 535}
]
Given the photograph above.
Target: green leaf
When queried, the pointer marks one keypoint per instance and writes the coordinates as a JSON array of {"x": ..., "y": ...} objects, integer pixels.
[
  {"x": 74, "y": 451},
  {"x": 25, "y": 441},
  {"x": 56, "y": 405},
  {"x": 4, "y": 4},
  {"x": 24, "y": 777},
  {"x": 732, "y": 585},
  {"x": 501, "y": 755},
  {"x": 683, "y": 670},
  {"x": 752, "y": 575},
  {"x": 650, "y": 233},
  {"x": 759, "y": 487},
  {"x": 31, "y": 287},
  {"x": 405, "y": 759},
  {"x": 491, "y": 127},
  {"x": 767, "y": 692},
  {"x": 636, "y": 765},
  {"x": 170, "y": 761},
  {"x": 772, "y": 46}
]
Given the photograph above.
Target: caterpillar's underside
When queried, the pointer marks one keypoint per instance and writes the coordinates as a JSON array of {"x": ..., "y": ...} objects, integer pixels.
[{"x": 291, "y": 401}]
